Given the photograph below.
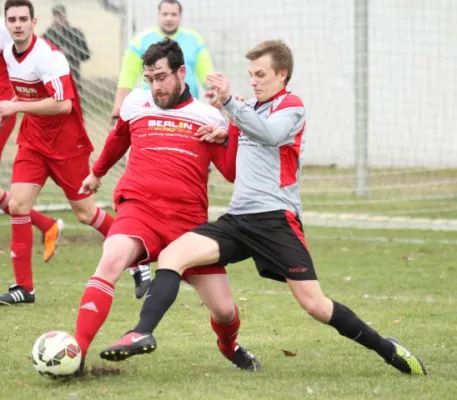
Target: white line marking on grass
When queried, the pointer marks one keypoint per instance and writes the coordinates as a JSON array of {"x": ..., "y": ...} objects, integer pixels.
[
  {"x": 319, "y": 236},
  {"x": 237, "y": 292},
  {"x": 384, "y": 239}
]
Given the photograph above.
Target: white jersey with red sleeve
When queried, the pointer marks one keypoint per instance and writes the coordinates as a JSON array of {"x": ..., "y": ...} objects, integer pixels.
[
  {"x": 39, "y": 73},
  {"x": 167, "y": 164},
  {"x": 6, "y": 90}
]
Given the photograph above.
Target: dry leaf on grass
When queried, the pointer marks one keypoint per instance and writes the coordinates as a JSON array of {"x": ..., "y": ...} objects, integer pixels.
[{"x": 288, "y": 353}]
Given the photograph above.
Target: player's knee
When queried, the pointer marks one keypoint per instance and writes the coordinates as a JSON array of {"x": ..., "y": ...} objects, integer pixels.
[
  {"x": 84, "y": 216},
  {"x": 19, "y": 207},
  {"x": 110, "y": 268},
  {"x": 224, "y": 312},
  {"x": 170, "y": 260}
]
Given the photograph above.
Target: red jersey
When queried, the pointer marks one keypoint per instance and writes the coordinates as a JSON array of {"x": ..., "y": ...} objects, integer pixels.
[
  {"x": 167, "y": 163},
  {"x": 39, "y": 73},
  {"x": 6, "y": 90}
]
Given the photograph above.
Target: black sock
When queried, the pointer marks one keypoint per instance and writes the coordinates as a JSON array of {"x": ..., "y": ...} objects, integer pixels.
[
  {"x": 351, "y": 326},
  {"x": 161, "y": 294}
]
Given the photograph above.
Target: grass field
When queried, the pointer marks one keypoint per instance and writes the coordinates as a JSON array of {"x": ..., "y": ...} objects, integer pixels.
[{"x": 402, "y": 283}]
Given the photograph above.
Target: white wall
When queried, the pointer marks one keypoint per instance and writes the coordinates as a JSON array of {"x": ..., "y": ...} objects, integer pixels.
[
  {"x": 413, "y": 66},
  {"x": 413, "y": 70}
]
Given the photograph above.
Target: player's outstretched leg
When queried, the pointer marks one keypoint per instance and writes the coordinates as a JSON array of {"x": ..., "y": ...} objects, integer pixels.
[
  {"x": 348, "y": 324},
  {"x": 165, "y": 286},
  {"x": 214, "y": 290},
  {"x": 119, "y": 251}
]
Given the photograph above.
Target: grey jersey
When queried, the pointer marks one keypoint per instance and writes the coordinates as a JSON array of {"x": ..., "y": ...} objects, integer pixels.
[{"x": 269, "y": 152}]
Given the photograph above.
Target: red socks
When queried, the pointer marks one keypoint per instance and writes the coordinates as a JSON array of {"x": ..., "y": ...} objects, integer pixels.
[
  {"x": 102, "y": 221},
  {"x": 21, "y": 250},
  {"x": 227, "y": 334},
  {"x": 94, "y": 309}
]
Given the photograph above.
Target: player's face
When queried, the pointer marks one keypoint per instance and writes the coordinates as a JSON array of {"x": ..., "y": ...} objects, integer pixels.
[
  {"x": 20, "y": 24},
  {"x": 265, "y": 81},
  {"x": 169, "y": 18},
  {"x": 166, "y": 85}
]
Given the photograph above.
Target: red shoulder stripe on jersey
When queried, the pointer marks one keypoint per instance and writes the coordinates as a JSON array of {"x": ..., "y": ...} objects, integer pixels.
[{"x": 290, "y": 100}]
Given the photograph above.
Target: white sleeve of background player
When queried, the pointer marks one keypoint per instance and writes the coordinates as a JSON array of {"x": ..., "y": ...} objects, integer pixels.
[
  {"x": 54, "y": 71},
  {"x": 5, "y": 38}
]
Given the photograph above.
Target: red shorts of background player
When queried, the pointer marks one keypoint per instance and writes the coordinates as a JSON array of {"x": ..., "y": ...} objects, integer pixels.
[
  {"x": 157, "y": 227},
  {"x": 32, "y": 167}
]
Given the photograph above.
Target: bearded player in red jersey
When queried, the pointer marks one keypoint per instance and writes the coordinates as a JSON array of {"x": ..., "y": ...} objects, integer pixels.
[
  {"x": 52, "y": 139},
  {"x": 49, "y": 227},
  {"x": 162, "y": 195}
]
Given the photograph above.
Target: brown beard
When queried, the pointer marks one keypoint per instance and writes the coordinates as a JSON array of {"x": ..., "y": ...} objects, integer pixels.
[{"x": 173, "y": 97}]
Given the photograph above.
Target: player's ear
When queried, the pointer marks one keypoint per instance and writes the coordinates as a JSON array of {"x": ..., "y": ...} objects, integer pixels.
[
  {"x": 283, "y": 75},
  {"x": 181, "y": 72},
  {"x": 34, "y": 22}
]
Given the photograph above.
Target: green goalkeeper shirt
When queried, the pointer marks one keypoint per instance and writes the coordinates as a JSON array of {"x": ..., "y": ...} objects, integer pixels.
[{"x": 196, "y": 56}]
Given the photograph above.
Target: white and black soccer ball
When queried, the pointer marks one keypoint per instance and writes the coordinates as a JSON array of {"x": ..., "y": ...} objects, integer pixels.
[{"x": 56, "y": 355}]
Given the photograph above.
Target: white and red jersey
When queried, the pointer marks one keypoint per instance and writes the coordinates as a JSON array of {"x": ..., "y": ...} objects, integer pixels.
[
  {"x": 6, "y": 90},
  {"x": 167, "y": 165},
  {"x": 39, "y": 73}
]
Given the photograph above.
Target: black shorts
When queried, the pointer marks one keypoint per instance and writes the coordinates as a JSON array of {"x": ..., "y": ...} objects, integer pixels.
[{"x": 275, "y": 241}]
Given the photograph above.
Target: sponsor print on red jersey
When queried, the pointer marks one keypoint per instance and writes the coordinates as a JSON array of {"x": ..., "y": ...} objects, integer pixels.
[
  {"x": 39, "y": 73},
  {"x": 167, "y": 163}
]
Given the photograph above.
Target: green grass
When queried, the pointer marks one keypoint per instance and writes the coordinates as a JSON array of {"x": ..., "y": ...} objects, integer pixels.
[{"x": 403, "y": 289}]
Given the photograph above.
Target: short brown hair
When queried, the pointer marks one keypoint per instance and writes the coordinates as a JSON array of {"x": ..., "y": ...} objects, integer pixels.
[
  {"x": 171, "y": 2},
  {"x": 281, "y": 55},
  {"x": 20, "y": 3}
]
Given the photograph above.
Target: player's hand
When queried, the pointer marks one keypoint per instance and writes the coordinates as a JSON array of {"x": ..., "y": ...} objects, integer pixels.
[
  {"x": 214, "y": 99},
  {"x": 91, "y": 184},
  {"x": 221, "y": 84},
  {"x": 8, "y": 108},
  {"x": 212, "y": 134}
]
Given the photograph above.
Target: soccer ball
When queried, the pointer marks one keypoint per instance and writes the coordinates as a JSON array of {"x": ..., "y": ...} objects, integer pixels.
[{"x": 56, "y": 354}]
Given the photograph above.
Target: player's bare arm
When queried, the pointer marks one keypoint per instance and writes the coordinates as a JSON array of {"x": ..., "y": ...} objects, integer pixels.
[{"x": 47, "y": 106}]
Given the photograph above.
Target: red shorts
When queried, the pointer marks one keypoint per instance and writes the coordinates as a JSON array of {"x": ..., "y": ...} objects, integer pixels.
[
  {"x": 32, "y": 167},
  {"x": 156, "y": 228}
]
